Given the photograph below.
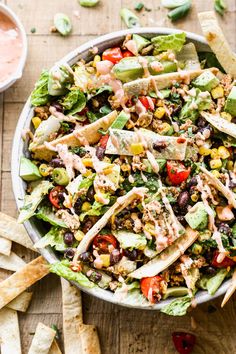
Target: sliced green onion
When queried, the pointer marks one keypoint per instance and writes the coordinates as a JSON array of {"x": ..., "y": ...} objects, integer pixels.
[
  {"x": 172, "y": 4},
  {"x": 62, "y": 24},
  {"x": 139, "y": 6},
  {"x": 220, "y": 6},
  {"x": 130, "y": 19},
  {"x": 179, "y": 12},
  {"x": 60, "y": 176},
  {"x": 88, "y": 3}
]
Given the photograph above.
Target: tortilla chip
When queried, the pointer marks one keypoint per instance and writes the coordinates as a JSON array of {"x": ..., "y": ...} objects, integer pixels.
[
  {"x": 220, "y": 124},
  {"x": 227, "y": 193},
  {"x": 11, "y": 230},
  {"x": 120, "y": 204},
  {"x": 88, "y": 133},
  {"x": 5, "y": 246},
  {"x": 42, "y": 340},
  {"x": 21, "y": 302},
  {"x": 54, "y": 349},
  {"x": 18, "y": 282},
  {"x": 12, "y": 262},
  {"x": 143, "y": 86},
  {"x": 9, "y": 332},
  {"x": 230, "y": 290},
  {"x": 217, "y": 41},
  {"x": 90, "y": 340},
  {"x": 167, "y": 257}
]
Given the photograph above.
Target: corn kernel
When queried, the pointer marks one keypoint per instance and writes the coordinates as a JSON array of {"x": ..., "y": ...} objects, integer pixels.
[
  {"x": 125, "y": 167},
  {"x": 227, "y": 116},
  {"x": 108, "y": 170},
  {"x": 79, "y": 235},
  {"x": 136, "y": 148},
  {"x": 196, "y": 248},
  {"x": 96, "y": 59},
  {"x": 86, "y": 206},
  {"x": 215, "y": 173},
  {"x": 217, "y": 92},
  {"x": 194, "y": 197},
  {"x": 88, "y": 173},
  {"x": 159, "y": 112},
  {"x": 204, "y": 151},
  {"x": 165, "y": 127},
  {"x": 45, "y": 170},
  {"x": 223, "y": 152},
  {"x": 150, "y": 228},
  {"x": 230, "y": 165},
  {"x": 215, "y": 163},
  {"x": 105, "y": 258},
  {"x": 36, "y": 122},
  {"x": 214, "y": 154},
  {"x": 87, "y": 162}
]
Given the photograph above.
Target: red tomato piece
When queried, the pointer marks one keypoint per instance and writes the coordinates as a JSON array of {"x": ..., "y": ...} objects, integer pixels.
[
  {"x": 146, "y": 102},
  {"x": 113, "y": 54},
  {"x": 177, "y": 172},
  {"x": 54, "y": 196},
  {"x": 102, "y": 242},
  {"x": 127, "y": 54},
  {"x": 103, "y": 141},
  {"x": 227, "y": 262},
  {"x": 150, "y": 287},
  {"x": 184, "y": 342}
]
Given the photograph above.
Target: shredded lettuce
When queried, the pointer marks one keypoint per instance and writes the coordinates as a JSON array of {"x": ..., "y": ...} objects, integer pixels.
[
  {"x": 131, "y": 240},
  {"x": 74, "y": 102},
  {"x": 45, "y": 213},
  {"x": 62, "y": 269},
  {"x": 177, "y": 307},
  {"x": 40, "y": 95},
  {"x": 170, "y": 42},
  {"x": 215, "y": 282},
  {"x": 59, "y": 81},
  {"x": 53, "y": 238},
  {"x": 32, "y": 201},
  {"x": 95, "y": 210},
  {"x": 45, "y": 129}
]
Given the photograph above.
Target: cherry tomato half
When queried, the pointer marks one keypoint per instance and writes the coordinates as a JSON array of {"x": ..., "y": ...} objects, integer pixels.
[
  {"x": 54, "y": 196},
  {"x": 113, "y": 54},
  {"x": 102, "y": 242},
  {"x": 127, "y": 54},
  {"x": 227, "y": 262},
  {"x": 177, "y": 172},
  {"x": 103, "y": 141},
  {"x": 150, "y": 287},
  {"x": 146, "y": 102},
  {"x": 184, "y": 342}
]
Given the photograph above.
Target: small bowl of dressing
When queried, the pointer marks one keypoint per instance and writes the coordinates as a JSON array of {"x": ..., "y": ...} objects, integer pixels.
[{"x": 13, "y": 47}]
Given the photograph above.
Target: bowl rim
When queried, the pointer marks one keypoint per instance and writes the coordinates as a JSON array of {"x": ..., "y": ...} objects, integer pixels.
[
  {"x": 6, "y": 10},
  {"x": 18, "y": 148}
]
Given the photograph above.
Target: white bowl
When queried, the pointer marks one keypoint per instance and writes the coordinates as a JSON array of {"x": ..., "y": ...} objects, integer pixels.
[
  {"x": 34, "y": 227},
  {"x": 18, "y": 72}
]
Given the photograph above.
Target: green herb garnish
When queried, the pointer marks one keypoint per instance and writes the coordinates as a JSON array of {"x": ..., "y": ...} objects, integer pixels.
[
  {"x": 139, "y": 6},
  {"x": 179, "y": 12},
  {"x": 220, "y": 6}
]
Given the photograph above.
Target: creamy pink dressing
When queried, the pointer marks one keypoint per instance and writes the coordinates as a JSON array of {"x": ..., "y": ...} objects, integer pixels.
[{"x": 10, "y": 47}]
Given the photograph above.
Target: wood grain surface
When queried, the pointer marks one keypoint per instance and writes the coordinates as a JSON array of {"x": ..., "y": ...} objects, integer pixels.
[{"x": 121, "y": 330}]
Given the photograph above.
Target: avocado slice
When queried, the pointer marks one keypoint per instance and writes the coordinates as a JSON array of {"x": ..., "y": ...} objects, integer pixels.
[
  {"x": 175, "y": 291},
  {"x": 28, "y": 170},
  {"x": 206, "y": 81},
  {"x": 121, "y": 120},
  {"x": 140, "y": 41},
  {"x": 197, "y": 217},
  {"x": 129, "y": 69},
  {"x": 230, "y": 106}
]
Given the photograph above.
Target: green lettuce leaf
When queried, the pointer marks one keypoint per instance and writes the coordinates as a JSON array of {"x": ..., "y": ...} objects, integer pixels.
[
  {"x": 59, "y": 81},
  {"x": 96, "y": 210},
  {"x": 53, "y": 238},
  {"x": 44, "y": 130},
  {"x": 40, "y": 95},
  {"x": 169, "y": 42},
  {"x": 62, "y": 269},
  {"x": 215, "y": 282},
  {"x": 74, "y": 102},
  {"x": 177, "y": 307},
  {"x": 45, "y": 213},
  {"x": 131, "y": 240}
]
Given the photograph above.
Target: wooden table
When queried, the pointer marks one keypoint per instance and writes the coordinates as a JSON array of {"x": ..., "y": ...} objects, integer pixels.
[{"x": 121, "y": 330}]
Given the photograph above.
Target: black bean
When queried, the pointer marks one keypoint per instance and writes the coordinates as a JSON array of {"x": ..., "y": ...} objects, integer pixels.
[
  {"x": 115, "y": 256},
  {"x": 100, "y": 152},
  {"x": 87, "y": 226},
  {"x": 78, "y": 205},
  {"x": 201, "y": 122},
  {"x": 225, "y": 229},
  {"x": 57, "y": 163},
  {"x": 90, "y": 194},
  {"x": 183, "y": 199},
  {"x": 192, "y": 182},
  {"x": 131, "y": 254},
  {"x": 86, "y": 257},
  {"x": 210, "y": 270},
  {"x": 95, "y": 277},
  {"x": 69, "y": 253},
  {"x": 61, "y": 197},
  {"x": 158, "y": 146},
  {"x": 57, "y": 105},
  {"x": 68, "y": 238}
]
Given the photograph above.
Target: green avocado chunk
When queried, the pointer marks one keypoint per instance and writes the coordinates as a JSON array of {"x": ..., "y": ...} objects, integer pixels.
[
  {"x": 28, "y": 170},
  {"x": 140, "y": 41},
  {"x": 206, "y": 81},
  {"x": 129, "y": 69},
  {"x": 230, "y": 106},
  {"x": 197, "y": 217},
  {"x": 175, "y": 291}
]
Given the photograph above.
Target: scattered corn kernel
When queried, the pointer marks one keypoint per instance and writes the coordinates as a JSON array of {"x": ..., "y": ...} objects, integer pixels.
[
  {"x": 108, "y": 170},
  {"x": 214, "y": 153},
  {"x": 215, "y": 163},
  {"x": 105, "y": 258},
  {"x": 230, "y": 165},
  {"x": 223, "y": 152},
  {"x": 215, "y": 173},
  {"x": 217, "y": 92},
  {"x": 125, "y": 167},
  {"x": 44, "y": 170},
  {"x": 87, "y": 162},
  {"x": 196, "y": 248},
  {"x": 194, "y": 197},
  {"x": 164, "y": 129},
  {"x": 86, "y": 206},
  {"x": 36, "y": 122},
  {"x": 136, "y": 148},
  {"x": 79, "y": 235},
  {"x": 159, "y": 112},
  {"x": 226, "y": 116},
  {"x": 204, "y": 151},
  {"x": 88, "y": 173},
  {"x": 96, "y": 59}
]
